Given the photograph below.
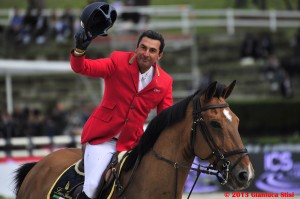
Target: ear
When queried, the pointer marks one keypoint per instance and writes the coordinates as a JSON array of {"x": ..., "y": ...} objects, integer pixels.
[
  {"x": 210, "y": 91},
  {"x": 160, "y": 55},
  {"x": 229, "y": 89}
]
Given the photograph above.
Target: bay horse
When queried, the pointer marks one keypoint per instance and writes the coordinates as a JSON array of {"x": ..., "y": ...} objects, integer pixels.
[{"x": 202, "y": 125}]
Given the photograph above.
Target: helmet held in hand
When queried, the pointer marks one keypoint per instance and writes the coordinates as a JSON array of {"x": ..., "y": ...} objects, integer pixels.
[{"x": 97, "y": 18}]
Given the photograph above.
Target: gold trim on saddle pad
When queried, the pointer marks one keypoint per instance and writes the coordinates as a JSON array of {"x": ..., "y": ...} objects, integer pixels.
[
  {"x": 67, "y": 185},
  {"x": 77, "y": 168}
]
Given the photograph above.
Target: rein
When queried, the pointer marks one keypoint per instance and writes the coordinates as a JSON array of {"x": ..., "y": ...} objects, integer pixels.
[{"x": 208, "y": 170}]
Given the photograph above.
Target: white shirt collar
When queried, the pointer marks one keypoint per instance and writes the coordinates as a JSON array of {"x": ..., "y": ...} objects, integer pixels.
[{"x": 145, "y": 78}]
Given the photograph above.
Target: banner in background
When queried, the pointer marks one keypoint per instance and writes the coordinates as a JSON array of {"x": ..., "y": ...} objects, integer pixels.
[{"x": 275, "y": 172}]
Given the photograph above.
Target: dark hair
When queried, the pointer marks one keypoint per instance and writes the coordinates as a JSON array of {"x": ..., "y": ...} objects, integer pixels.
[{"x": 153, "y": 35}]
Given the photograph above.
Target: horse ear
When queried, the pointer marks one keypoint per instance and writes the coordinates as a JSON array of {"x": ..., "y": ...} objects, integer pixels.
[
  {"x": 229, "y": 89},
  {"x": 210, "y": 91}
]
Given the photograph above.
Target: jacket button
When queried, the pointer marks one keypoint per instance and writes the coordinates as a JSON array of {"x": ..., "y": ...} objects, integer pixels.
[
  {"x": 131, "y": 107},
  {"x": 137, "y": 94},
  {"x": 127, "y": 120}
]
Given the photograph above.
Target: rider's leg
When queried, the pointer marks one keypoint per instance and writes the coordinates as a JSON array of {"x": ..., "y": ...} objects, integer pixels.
[{"x": 96, "y": 159}]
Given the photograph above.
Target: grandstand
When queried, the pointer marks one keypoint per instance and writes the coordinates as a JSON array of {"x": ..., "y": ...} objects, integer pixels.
[
  {"x": 202, "y": 45},
  {"x": 217, "y": 51}
]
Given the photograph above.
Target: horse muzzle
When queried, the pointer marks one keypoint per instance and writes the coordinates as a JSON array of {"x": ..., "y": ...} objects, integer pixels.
[{"x": 241, "y": 177}]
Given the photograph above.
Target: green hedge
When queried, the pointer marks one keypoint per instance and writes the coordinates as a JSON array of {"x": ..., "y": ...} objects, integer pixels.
[{"x": 267, "y": 117}]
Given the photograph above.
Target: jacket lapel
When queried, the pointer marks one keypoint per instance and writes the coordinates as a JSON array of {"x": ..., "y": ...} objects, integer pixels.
[{"x": 134, "y": 71}]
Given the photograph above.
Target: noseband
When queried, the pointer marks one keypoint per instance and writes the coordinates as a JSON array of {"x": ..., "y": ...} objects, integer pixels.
[{"x": 216, "y": 153}]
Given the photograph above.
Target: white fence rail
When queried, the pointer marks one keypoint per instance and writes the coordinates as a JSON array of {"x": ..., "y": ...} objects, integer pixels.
[
  {"x": 35, "y": 146},
  {"x": 184, "y": 18},
  {"x": 22, "y": 147}
]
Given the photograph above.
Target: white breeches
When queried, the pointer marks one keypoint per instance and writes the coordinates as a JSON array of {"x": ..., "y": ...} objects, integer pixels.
[{"x": 96, "y": 159}]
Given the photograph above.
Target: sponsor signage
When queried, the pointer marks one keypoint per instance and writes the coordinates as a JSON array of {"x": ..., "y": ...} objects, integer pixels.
[{"x": 275, "y": 172}]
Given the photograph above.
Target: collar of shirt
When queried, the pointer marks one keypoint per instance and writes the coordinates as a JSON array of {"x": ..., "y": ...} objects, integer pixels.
[{"x": 145, "y": 78}]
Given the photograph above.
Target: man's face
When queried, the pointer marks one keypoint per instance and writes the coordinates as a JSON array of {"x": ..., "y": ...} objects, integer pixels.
[{"x": 147, "y": 53}]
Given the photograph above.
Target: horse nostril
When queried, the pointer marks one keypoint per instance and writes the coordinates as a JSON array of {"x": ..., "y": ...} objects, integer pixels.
[{"x": 243, "y": 177}]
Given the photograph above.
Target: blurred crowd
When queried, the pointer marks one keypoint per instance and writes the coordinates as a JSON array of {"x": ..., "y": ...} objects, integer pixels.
[
  {"x": 278, "y": 71},
  {"x": 35, "y": 26},
  {"x": 57, "y": 120}
]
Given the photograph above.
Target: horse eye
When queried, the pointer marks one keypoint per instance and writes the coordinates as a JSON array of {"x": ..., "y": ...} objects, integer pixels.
[{"x": 215, "y": 124}]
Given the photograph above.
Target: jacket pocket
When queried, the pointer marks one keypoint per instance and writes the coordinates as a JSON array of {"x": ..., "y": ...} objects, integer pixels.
[{"x": 105, "y": 111}]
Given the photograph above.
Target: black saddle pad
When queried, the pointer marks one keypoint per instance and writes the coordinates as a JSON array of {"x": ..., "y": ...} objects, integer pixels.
[{"x": 64, "y": 183}]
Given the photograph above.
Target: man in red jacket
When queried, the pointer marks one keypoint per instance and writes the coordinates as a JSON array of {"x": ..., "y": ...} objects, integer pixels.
[{"x": 134, "y": 84}]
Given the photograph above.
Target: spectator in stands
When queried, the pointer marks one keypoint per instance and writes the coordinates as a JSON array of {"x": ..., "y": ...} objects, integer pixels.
[
  {"x": 15, "y": 26},
  {"x": 20, "y": 121},
  {"x": 144, "y": 17},
  {"x": 41, "y": 28},
  {"x": 68, "y": 23},
  {"x": 75, "y": 121},
  {"x": 265, "y": 46},
  {"x": 292, "y": 64},
  {"x": 286, "y": 85},
  {"x": 55, "y": 27},
  {"x": 249, "y": 46},
  {"x": 62, "y": 28},
  {"x": 6, "y": 129},
  {"x": 254, "y": 49},
  {"x": 248, "y": 53},
  {"x": 36, "y": 125},
  {"x": 135, "y": 84},
  {"x": 28, "y": 26},
  {"x": 56, "y": 120},
  {"x": 130, "y": 18},
  {"x": 6, "y": 125},
  {"x": 278, "y": 77}
]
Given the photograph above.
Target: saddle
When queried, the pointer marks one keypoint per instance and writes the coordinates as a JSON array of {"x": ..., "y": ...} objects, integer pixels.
[
  {"x": 110, "y": 174},
  {"x": 70, "y": 183}
]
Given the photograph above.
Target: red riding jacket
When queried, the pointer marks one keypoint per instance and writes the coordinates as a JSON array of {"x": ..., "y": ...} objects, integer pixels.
[{"x": 123, "y": 109}]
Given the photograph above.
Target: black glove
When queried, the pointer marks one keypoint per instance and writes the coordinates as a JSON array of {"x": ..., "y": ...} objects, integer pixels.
[{"x": 83, "y": 39}]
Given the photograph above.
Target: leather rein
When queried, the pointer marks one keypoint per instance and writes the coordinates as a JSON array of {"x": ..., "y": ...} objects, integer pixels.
[{"x": 211, "y": 169}]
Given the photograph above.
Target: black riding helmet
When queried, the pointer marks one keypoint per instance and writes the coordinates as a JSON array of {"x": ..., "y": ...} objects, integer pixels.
[{"x": 97, "y": 18}]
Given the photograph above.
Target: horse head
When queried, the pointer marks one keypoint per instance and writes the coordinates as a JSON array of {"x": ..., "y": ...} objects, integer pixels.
[{"x": 215, "y": 137}]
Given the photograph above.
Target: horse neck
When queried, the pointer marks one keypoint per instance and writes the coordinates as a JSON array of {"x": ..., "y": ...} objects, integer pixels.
[
  {"x": 174, "y": 143},
  {"x": 156, "y": 178}
]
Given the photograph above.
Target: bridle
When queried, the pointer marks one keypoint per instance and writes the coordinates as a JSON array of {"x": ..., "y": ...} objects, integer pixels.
[
  {"x": 216, "y": 153},
  {"x": 211, "y": 169}
]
